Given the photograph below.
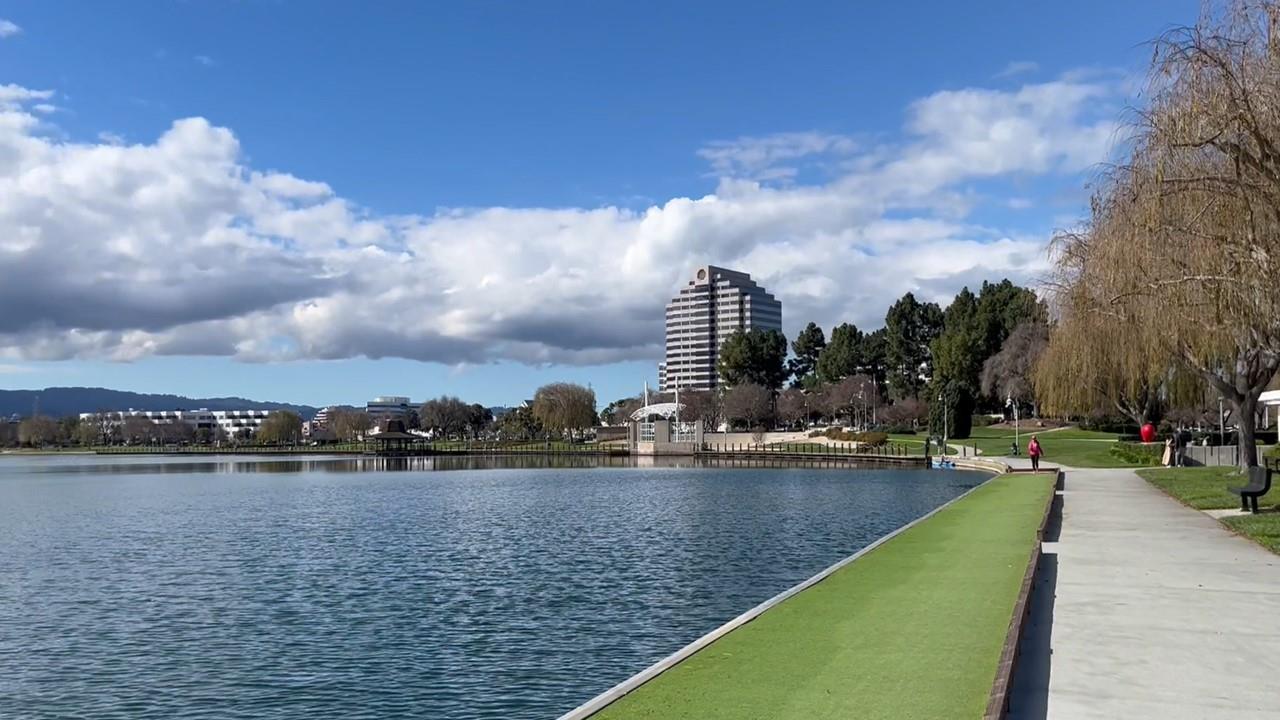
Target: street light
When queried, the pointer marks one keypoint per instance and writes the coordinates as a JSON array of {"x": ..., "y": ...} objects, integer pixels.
[
  {"x": 1222, "y": 424},
  {"x": 945, "y": 430},
  {"x": 1010, "y": 403}
]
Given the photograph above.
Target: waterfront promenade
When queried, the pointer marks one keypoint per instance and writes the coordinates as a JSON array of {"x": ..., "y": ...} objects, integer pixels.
[{"x": 1145, "y": 608}]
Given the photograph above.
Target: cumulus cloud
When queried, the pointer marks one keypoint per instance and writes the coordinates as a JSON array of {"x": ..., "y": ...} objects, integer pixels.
[
  {"x": 8, "y": 28},
  {"x": 176, "y": 246},
  {"x": 12, "y": 97}
]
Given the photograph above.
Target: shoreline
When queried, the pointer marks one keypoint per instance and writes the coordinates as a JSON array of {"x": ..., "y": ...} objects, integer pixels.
[{"x": 790, "y": 629}]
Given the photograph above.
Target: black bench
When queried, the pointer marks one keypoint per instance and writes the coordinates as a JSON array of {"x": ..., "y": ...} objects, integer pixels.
[{"x": 1258, "y": 485}]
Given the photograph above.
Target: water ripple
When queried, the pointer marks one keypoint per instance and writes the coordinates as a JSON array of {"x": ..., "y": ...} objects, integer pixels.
[{"x": 467, "y": 594}]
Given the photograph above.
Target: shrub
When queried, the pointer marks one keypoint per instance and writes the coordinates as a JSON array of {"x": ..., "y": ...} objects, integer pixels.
[
  {"x": 1138, "y": 453},
  {"x": 896, "y": 429},
  {"x": 1112, "y": 425},
  {"x": 985, "y": 420},
  {"x": 871, "y": 439}
]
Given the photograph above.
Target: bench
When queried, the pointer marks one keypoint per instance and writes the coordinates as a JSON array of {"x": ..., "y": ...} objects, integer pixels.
[{"x": 1258, "y": 485}]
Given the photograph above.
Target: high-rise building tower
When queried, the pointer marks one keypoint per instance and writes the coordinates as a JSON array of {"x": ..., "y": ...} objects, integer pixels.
[{"x": 713, "y": 306}]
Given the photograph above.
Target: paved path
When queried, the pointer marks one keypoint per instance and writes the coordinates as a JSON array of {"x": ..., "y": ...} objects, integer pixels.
[{"x": 1155, "y": 611}]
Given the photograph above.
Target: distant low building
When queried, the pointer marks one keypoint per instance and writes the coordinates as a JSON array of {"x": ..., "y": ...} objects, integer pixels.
[
  {"x": 390, "y": 407},
  {"x": 232, "y": 422},
  {"x": 197, "y": 419},
  {"x": 235, "y": 422},
  {"x": 320, "y": 427}
]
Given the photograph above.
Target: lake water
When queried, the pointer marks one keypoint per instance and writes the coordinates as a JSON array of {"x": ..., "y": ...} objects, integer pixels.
[{"x": 243, "y": 588}]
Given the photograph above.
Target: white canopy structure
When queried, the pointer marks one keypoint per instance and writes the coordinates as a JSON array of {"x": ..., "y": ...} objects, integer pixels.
[
  {"x": 1270, "y": 402},
  {"x": 663, "y": 410}
]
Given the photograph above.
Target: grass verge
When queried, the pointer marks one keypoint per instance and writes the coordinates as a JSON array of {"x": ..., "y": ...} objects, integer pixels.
[
  {"x": 1071, "y": 447},
  {"x": 1205, "y": 488},
  {"x": 913, "y": 629}
]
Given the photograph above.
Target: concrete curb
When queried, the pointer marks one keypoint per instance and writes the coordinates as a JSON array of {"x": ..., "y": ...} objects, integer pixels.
[
  {"x": 983, "y": 464},
  {"x": 998, "y": 701},
  {"x": 608, "y": 697}
]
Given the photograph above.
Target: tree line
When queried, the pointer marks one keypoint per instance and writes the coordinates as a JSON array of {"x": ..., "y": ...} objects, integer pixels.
[
  {"x": 925, "y": 367},
  {"x": 1166, "y": 297}
]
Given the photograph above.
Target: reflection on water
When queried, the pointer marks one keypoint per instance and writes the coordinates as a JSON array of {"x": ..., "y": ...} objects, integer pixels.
[
  {"x": 296, "y": 589},
  {"x": 170, "y": 465}
]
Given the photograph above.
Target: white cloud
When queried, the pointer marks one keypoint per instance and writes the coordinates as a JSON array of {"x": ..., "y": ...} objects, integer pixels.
[
  {"x": 1018, "y": 67},
  {"x": 11, "y": 369},
  {"x": 204, "y": 60},
  {"x": 178, "y": 247},
  {"x": 8, "y": 28},
  {"x": 773, "y": 157},
  {"x": 12, "y": 97}
]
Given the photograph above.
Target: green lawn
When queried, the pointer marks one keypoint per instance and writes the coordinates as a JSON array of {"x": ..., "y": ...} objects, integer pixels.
[
  {"x": 913, "y": 443},
  {"x": 1072, "y": 447},
  {"x": 912, "y": 630},
  {"x": 1205, "y": 488},
  {"x": 1262, "y": 529}
]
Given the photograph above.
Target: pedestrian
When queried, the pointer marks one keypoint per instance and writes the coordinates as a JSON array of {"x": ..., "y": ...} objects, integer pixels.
[{"x": 1034, "y": 451}]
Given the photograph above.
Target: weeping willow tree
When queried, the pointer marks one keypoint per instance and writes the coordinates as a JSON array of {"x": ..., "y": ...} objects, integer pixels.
[{"x": 1173, "y": 280}]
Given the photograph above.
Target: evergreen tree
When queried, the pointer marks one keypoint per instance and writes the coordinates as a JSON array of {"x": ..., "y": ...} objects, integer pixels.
[
  {"x": 757, "y": 357},
  {"x": 807, "y": 348},
  {"x": 843, "y": 356},
  {"x": 910, "y": 326}
]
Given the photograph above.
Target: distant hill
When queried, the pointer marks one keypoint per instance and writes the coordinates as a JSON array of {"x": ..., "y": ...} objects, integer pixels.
[{"x": 62, "y": 401}]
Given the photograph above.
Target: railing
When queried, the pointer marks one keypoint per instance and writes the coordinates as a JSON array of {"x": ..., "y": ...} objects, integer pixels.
[
  {"x": 163, "y": 449},
  {"x": 850, "y": 450},
  {"x": 833, "y": 449}
]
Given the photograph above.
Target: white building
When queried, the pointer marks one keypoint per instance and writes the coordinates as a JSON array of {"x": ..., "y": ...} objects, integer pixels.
[
  {"x": 1270, "y": 402},
  {"x": 715, "y": 304},
  {"x": 234, "y": 422},
  {"x": 230, "y": 421},
  {"x": 195, "y": 418}
]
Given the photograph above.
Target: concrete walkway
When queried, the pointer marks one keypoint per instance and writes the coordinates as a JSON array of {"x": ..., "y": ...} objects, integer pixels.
[{"x": 1147, "y": 609}]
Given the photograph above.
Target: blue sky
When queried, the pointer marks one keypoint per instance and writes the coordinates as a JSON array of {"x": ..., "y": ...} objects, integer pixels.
[{"x": 457, "y": 189}]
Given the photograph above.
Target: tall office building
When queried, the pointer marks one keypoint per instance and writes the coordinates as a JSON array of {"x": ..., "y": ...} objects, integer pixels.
[{"x": 715, "y": 304}]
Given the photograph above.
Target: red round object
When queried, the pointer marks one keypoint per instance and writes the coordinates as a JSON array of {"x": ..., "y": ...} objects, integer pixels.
[{"x": 1148, "y": 433}]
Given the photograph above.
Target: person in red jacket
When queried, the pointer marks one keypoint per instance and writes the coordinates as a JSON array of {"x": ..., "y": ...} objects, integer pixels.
[{"x": 1034, "y": 452}]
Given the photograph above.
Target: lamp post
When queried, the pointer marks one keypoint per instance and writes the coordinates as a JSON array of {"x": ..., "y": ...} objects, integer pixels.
[
  {"x": 942, "y": 399},
  {"x": 1222, "y": 424},
  {"x": 1016, "y": 442}
]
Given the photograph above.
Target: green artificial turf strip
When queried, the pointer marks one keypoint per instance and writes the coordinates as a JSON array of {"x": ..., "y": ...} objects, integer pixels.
[
  {"x": 914, "y": 629},
  {"x": 1204, "y": 488}
]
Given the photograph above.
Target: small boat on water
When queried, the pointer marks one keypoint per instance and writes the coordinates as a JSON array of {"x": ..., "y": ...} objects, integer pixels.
[{"x": 943, "y": 464}]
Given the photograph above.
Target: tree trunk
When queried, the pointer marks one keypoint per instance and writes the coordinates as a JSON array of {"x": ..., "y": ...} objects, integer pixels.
[{"x": 1246, "y": 409}]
